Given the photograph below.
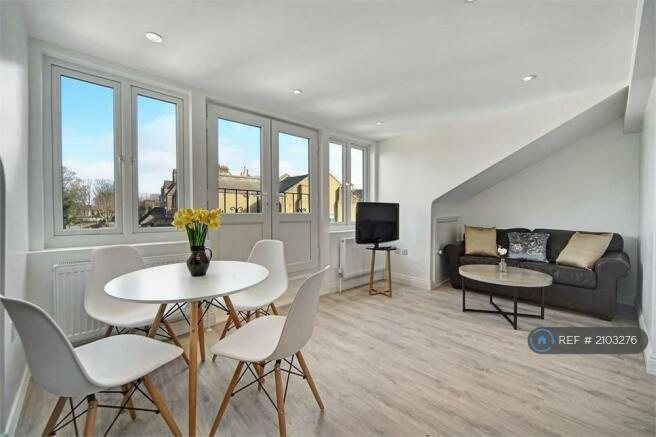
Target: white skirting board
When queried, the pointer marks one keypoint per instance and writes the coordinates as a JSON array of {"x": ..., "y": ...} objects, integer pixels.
[
  {"x": 19, "y": 402},
  {"x": 650, "y": 352}
]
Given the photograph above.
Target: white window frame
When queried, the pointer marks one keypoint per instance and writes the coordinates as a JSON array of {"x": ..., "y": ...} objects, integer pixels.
[
  {"x": 348, "y": 221},
  {"x": 125, "y": 183},
  {"x": 57, "y": 194},
  {"x": 179, "y": 162}
]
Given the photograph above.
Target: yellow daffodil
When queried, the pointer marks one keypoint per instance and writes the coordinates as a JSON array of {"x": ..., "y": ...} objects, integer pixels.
[{"x": 196, "y": 222}]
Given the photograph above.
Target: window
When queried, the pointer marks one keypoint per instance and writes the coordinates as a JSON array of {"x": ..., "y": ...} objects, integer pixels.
[
  {"x": 356, "y": 169},
  {"x": 240, "y": 181},
  {"x": 86, "y": 137},
  {"x": 335, "y": 183},
  {"x": 94, "y": 161},
  {"x": 156, "y": 158},
  {"x": 347, "y": 184},
  {"x": 293, "y": 174}
]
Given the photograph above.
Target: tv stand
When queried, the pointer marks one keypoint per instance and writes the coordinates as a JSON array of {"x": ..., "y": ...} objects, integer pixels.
[{"x": 389, "y": 250}]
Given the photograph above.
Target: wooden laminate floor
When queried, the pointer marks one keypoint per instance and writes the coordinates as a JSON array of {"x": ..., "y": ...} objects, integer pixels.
[{"x": 414, "y": 364}]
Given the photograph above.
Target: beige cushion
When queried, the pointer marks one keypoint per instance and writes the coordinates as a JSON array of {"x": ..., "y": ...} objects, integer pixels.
[
  {"x": 584, "y": 250},
  {"x": 480, "y": 241}
]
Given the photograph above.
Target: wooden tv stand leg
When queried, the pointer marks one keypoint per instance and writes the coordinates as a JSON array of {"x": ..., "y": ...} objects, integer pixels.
[{"x": 372, "y": 290}]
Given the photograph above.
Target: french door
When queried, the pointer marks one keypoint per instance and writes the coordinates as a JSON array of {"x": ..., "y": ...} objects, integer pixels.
[{"x": 262, "y": 173}]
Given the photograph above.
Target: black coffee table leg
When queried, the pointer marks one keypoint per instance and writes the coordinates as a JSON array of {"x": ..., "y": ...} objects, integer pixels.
[
  {"x": 463, "y": 294},
  {"x": 542, "y": 304},
  {"x": 515, "y": 309}
]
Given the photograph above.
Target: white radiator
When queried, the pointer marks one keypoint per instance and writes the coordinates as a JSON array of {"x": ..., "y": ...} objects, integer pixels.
[
  {"x": 355, "y": 260},
  {"x": 70, "y": 281}
]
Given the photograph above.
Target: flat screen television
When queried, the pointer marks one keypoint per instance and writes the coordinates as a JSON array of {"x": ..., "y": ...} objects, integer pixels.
[{"x": 376, "y": 222}]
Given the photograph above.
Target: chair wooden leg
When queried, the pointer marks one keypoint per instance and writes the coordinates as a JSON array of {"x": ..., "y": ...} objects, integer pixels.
[
  {"x": 248, "y": 316},
  {"x": 226, "y": 398},
  {"x": 90, "y": 423},
  {"x": 260, "y": 374},
  {"x": 310, "y": 381},
  {"x": 274, "y": 310},
  {"x": 226, "y": 327},
  {"x": 156, "y": 321},
  {"x": 54, "y": 417},
  {"x": 108, "y": 332},
  {"x": 176, "y": 340},
  {"x": 280, "y": 401},
  {"x": 161, "y": 406},
  {"x": 127, "y": 401},
  {"x": 201, "y": 334}
]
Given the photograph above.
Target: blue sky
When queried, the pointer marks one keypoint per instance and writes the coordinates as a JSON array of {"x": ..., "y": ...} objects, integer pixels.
[
  {"x": 239, "y": 147},
  {"x": 88, "y": 139}
]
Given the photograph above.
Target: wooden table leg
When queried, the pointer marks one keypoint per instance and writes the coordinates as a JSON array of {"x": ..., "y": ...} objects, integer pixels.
[
  {"x": 193, "y": 367},
  {"x": 231, "y": 310},
  {"x": 201, "y": 334},
  {"x": 176, "y": 340},
  {"x": 156, "y": 321}
]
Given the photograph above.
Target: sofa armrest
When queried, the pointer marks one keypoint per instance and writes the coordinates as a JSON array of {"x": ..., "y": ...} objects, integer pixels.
[
  {"x": 612, "y": 266},
  {"x": 453, "y": 252}
]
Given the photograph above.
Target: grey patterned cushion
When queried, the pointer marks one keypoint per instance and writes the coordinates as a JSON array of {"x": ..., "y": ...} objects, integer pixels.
[{"x": 531, "y": 246}]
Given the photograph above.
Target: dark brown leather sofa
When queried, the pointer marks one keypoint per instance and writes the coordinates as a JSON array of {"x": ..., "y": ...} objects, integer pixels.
[{"x": 591, "y": 291}]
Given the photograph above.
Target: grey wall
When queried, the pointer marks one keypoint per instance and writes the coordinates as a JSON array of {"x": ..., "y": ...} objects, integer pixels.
[
  {"x": 647, "y": 243},
  {"x": 13, "y": 152},
  {"x": 590, "y": 185}
]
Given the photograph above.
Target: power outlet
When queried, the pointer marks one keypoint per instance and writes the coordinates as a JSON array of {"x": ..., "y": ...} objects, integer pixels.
[{"x": 404, "y": 252}]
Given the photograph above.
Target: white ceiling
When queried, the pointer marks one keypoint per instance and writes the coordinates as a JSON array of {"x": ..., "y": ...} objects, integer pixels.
[{"x": 409, "y": 64}]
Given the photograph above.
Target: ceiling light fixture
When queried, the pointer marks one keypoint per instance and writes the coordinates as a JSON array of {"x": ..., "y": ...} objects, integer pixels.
[
  {"x": 297, "y": 91},
  {"x": 154, "y": 37},
  {"x": 470, "y": 1},
  {"x": 529, "y": 78},
  {"x": 379, "y": 123}
]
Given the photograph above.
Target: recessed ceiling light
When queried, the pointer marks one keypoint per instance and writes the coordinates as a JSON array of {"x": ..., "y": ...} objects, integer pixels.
[
  {"x": 154, "y": 37},
  {"x": 470, "y": 1},
  {"x": 529, "y": 78},
  {"x": 379, "y": 123},
  {"x": 297, "y": 91}
]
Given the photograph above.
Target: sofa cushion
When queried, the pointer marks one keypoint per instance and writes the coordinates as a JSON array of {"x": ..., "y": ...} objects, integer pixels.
[
  {"x": 564, "y": 274},
  {"x": 584, "y": 250},
  {"x": 502, "y": 235},
  {"x": 480, "y": 241},
  {"x": 559, "y": 238},
  {"x": 530, "y": 246}
]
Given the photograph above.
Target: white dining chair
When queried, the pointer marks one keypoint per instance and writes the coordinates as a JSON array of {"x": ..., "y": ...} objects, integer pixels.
[
  {"x": 260, "y": 299},
  {"x": 273, "y": 339},
  {"x": 108, "y": 263},
  {"x": 67, "y": 372}
]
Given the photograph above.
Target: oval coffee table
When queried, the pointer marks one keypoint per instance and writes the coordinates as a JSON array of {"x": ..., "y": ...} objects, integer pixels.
[{"x": 514, "y": 277}]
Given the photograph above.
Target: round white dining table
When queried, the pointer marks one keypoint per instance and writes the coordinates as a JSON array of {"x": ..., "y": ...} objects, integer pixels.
[{"x": 172, "y": 283}]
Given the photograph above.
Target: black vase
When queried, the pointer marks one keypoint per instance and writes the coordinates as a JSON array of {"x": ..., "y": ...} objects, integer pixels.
[{"x": 199, "y": 261}]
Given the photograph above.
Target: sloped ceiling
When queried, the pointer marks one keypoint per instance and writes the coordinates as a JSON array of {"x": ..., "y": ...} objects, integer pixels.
[{"x": 408, "y": 64}]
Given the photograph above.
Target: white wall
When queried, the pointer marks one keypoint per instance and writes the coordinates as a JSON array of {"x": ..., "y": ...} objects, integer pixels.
[
  {"x": 416, "y": 168},
  {"x": 647, "y": 242},
  {"x": 590, "y": 185},
  {"x": 14, "y": 154}
]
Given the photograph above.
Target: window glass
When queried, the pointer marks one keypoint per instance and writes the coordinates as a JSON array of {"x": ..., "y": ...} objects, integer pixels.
[
  {"x": 156, "y": 166},
  {"x": 240, "y": 184},
  {"x": 357, "y": 179},
  {"x": 87, "y": 154},
  {"x": 293, "y": 174},
  {"x": 336, "y": 183}
]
